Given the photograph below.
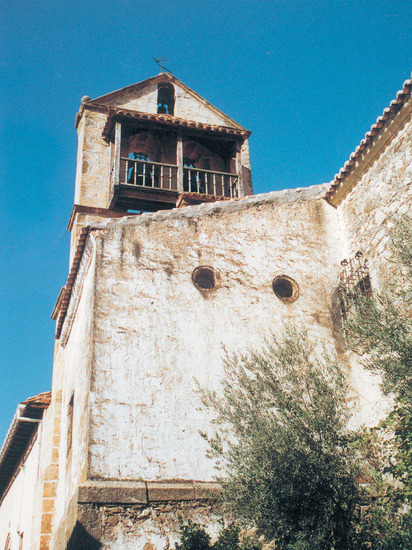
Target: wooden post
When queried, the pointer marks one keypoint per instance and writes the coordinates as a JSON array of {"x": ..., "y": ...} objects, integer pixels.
[
  {"x": 240, "y": 190},
  {"x": 179, "y": 159},
  {"x": 117, "y": 144}
]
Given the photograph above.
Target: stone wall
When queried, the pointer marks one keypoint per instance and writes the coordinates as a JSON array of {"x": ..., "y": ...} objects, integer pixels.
[
  {"x": 137, "y": 526},
  {"x": 383, "y": 190}
]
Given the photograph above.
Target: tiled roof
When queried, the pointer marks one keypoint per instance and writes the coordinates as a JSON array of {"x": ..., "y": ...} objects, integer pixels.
[
  {"x": 65, "y": 298},
  {"x": 186, "y": 199},
  {"x": 370, "y": 138},
  {"x": 42, "y": 399},
  {"x": 120, "y": 113},
  {"x": 16, "y": 443}
]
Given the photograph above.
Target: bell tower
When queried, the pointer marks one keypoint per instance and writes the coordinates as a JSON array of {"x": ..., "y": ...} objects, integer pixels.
[{"x": 153, "y": 146}]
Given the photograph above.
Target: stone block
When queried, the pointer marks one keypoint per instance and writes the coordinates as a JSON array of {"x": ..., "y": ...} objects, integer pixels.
[
  {"x": 112, "y": 492},
  {"x": 55, "y": 455},
  {"x": 45, "y": 541},
  {"x": 49, "y": 489},
  {"x": 49, "y": 505},
  {"x": 52, "y": 472},
  {"x": 207, "y": 490},
  {"x": 46, "y": 524},
  {"x": 170, "y": 491}
]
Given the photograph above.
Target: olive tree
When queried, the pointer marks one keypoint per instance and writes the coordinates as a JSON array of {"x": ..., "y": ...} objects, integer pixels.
[{"x": 281, "y": 443}]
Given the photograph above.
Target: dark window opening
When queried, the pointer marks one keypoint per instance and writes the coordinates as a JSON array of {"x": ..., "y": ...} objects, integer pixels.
[
  {"x": 205, "y": 278},
  {"x": 144, "y": 174},
  {"x": 189, "y": 162},
  {"x": 285, "y": 288},
  {"x": 165, "y": 99}
]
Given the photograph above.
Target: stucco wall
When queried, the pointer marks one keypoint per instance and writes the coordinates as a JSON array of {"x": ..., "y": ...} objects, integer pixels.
[
  {"x": 155, "y": 333},
  {"x": 75, "y": 360},
  {"x": 18, "y": 507}
]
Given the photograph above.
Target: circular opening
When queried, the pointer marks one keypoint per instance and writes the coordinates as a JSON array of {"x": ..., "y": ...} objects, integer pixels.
[
  {"x": 205, "y": 278},
  {"x": 285, "y": 288}
]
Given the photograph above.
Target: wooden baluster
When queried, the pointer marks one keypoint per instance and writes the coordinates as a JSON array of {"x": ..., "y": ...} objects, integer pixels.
[
  {"x": 197, "y": 181},
  {"x": 135, "y": 172},
  {"x": 214, "y": 184},
  {"x": 207, "y": 184}
]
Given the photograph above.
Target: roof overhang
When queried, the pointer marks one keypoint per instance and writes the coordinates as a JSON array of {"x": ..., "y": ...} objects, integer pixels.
[
  {"x": 126, "y": 115},
  {"x": 22, "y": 429},
  {"x": 60, "y": 309}
]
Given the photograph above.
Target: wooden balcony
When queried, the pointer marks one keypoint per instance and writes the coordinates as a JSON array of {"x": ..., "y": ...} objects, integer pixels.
[
  {"x": 207, "y": 182},
  {"x": 151, "y": 186}
]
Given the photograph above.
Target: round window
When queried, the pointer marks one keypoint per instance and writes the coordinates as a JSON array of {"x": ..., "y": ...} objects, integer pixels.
[
  {"x": 205, "y": 277},
  {"x": 285, "y": 288}
]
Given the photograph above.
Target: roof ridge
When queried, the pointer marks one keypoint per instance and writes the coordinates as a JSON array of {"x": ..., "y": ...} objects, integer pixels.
[{"x": 389, "y": 113}]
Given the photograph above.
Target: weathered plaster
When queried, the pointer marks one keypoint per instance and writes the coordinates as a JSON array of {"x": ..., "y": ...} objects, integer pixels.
[{"x": 156, "y": 334}]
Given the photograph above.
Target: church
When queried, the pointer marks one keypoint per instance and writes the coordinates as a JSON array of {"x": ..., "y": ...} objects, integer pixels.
[{"x": 173, "y": 259}]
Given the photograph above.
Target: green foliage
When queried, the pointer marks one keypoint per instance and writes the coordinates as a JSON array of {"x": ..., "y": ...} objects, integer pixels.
[
  {"x": 381, "y": 327},
  {"x": 281, "y": 442},
  {"x": 194, "y": 537}
]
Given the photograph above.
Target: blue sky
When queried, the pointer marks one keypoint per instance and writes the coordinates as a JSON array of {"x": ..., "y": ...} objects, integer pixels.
[{"x": 307, "y": 78}]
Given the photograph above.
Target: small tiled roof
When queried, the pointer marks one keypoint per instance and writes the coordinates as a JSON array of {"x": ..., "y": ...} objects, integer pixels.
[
  {"x": 22, "y": 429},
  {"x": 116, "y": 113},
  {"x": 42, "y": 399},
  {"x": 377, "y": 129},
  {"x": 186, "y": 199},
  {"x": 65, "y": 297}
]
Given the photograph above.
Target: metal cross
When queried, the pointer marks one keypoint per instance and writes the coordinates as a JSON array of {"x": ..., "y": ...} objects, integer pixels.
[{"x": 160, "y": 62}]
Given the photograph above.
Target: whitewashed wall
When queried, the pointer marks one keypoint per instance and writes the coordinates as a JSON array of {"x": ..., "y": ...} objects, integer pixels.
[
  {"x": 17, "y": 509},
  {"x": 155, "y": 334}
]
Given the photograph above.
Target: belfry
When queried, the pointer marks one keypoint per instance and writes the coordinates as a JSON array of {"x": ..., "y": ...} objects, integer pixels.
[{"x": 152, "y": 145}]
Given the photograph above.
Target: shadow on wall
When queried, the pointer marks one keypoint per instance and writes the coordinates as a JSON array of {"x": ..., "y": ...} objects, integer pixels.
[{"x": 81, "y": 540}]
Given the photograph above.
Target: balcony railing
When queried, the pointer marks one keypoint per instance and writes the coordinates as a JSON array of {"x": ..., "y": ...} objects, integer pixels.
[
  {"x": 156, "y": 175},
  {"x": 209, "y": 182},
  {"x": 141, "y": 173}
]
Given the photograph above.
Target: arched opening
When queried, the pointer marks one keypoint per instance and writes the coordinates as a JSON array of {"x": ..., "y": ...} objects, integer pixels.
[
  {"x": 145, "y": 147},
  {"x": 165, "y": 99},
  {"x": 198, "y": 157}
]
